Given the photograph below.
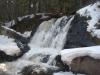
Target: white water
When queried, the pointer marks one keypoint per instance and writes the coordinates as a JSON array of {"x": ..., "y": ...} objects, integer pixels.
[
  {"x": 48, "y": 40},
  {"x": 52, "y": 34}
]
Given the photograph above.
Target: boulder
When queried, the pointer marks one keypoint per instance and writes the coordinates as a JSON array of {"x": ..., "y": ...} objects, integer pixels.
[
  {"x": 37, "y": 70},
  {"x": 60, "y": 64},
  {"x": 21, "y": 43},
  {"x": 78, "y": 35},
  {"x": 86, "y": 65}
]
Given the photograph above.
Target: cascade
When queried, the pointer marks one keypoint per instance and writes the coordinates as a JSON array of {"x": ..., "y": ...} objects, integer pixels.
[{"x": 52, "y": 33}]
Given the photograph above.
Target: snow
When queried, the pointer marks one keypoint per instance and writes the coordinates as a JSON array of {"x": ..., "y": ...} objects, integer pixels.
[
  {"x": 48, "y": 30},
  {"x": 44, "y": 16},
  {"x": 65, "y": 73},
  {"x": 3, "y": 67},
  {"x": 26, "y": 16},
  {"x": 31, "y": 5},
  {"x": 10, "y": 23},
  {"x": 13, "y": 22},
  {"x": 32, "y": 57},
  {"x": 8, "y": 45},
  {"x": 27, "y": 34},
  {"x": 12, "y": 30},
  {"x": 68, "y": 55},
  {"x": 92, "y": 11}
]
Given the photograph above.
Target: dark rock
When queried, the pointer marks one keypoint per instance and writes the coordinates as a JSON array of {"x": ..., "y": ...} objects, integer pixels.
[
  {"x": 4, "y": 57},
  {"x": 60, "y": 64},
  {"x": 23, "y": 49},
  {"x": 45, "y": 59},
  {"x": 21, "y": 43},
  {"x": 78, "y": 35},
  {"x": 12, "y": 34},
  {"x": 86, "y": 65},
  {"x": 37, "y": 70}
]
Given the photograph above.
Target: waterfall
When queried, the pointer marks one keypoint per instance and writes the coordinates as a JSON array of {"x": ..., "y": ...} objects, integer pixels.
[
  {"x": 52, "y": 33},
  {"x": 49, "y": 38}
]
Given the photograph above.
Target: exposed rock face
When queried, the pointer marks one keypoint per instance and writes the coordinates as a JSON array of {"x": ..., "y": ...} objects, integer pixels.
[
  {"x": 85, "y": 27},
  {"x": 87, "y": 65},
  {"x": 78, "y": 35},
  {"x": 60, "y": 64}
]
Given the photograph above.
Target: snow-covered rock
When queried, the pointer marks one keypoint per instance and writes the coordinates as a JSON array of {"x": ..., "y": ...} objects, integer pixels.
[
  {"x": 92, "y": 11},
  {"x": 68, "y": 55},
  {"x": 85, "y": 27},
  {"x": 65, "y": 73},
  {"x": 12, "y": 44},
  {"x": 8, "y": 45}
]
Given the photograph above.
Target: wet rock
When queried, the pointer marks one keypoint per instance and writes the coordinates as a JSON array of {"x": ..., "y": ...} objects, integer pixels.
[
  {"x": 37, "y": 70},
  {"x": 78, "y": 35},
  {"x": 86, "y": 65},
  {"x": 45, "y": 58},
  {"x": 60, "y": 64}
]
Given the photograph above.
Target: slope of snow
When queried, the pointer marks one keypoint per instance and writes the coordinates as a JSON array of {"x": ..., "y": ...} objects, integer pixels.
[
  {"x": 8, "y": 45},
  {"x": 68, "y": 55},
  {"x": 92, "y": 11}
]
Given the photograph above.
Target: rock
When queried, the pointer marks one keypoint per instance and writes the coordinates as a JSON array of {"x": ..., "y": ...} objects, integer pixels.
[
  {"x": 86, "y": 65},
  {"x": 21, "y": 43},
  {"x": 78, "y": 35},
  {"x": 60, "y": 64},
  {"x": 3, "y": 73},
  {"x": 37, "y": 70},
  {"x": 12, "y": 34},
  {"x": 31, "y": 24},
  {"x": 23, "y": 49}
]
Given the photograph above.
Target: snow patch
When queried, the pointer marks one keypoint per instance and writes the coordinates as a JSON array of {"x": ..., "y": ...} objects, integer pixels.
[
  {"x": 26, "y": 16},
  {"x": 8, "y": 45},
  {"x": 10, "y": 23},
  {"x": 31, "y": 5}
]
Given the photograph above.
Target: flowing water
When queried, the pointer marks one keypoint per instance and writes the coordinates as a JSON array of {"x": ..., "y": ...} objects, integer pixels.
[
  {"x": 52, "y": 33},
  {"x": 46, "y": 43}
]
